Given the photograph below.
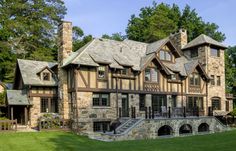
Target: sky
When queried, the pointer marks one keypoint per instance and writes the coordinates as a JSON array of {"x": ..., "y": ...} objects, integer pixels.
[{"x": 98, "y": 17}]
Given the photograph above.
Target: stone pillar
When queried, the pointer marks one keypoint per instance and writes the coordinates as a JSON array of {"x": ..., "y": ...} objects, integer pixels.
[
  {"x": 148, "y": 100},
  {"x": 179, "y": 39},
  {"x": 65, "y": 48}
]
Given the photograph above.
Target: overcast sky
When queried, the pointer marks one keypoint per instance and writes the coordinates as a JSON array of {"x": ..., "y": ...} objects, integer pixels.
[{"x": 98, "y": 17}]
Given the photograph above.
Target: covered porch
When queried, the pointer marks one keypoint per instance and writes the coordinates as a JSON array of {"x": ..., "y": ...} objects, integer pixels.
[{"x": 18, "y": 106}]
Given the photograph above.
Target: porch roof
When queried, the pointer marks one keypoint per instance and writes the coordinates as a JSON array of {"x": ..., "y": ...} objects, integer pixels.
[{"x": 17, "y": 97}]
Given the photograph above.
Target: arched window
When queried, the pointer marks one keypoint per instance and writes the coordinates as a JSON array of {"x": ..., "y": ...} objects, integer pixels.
[
  {"x": 185, "y": 129},
  {"x": 204, "y": 127},
  {"x": 165, "y": 130}
]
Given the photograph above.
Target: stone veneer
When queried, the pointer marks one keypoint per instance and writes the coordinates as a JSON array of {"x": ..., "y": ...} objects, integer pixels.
[{"x": 148, "y": 128}]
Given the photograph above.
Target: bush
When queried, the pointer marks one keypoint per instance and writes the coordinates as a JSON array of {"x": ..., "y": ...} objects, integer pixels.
[
  {"x": 2, "y": 98},
  {"x": 49, "y": 121},
  {"x": 233, "y": 113}
]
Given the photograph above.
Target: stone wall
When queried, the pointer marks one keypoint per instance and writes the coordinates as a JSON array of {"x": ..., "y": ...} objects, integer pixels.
[{"x": 148, "y": 129}]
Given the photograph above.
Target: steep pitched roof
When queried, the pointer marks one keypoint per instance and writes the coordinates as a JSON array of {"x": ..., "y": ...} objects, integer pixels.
[
  {"x": 17, "y": 97},
  {"x": 203, "y": 39},
  {"x": 29, "y": 70}
]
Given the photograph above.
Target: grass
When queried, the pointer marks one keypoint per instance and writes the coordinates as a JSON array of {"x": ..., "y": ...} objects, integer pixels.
[{"x": 56, "y": 141}]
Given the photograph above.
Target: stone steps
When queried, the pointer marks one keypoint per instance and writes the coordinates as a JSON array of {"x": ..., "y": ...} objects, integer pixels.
[{"x": 127, "y": 125}]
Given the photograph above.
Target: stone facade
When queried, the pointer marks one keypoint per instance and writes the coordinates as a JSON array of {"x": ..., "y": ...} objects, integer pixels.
[{"x": 148, "y": 129}]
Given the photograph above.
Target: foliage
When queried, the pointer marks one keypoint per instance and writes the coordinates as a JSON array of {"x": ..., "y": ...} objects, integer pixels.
[
  {"x": 2, "y": 97},
  {"x": 230, "y": 69},
  {"x": 115, "y": 36},
  {"x": 158, "y": 21},
  {"x": 233, "y": 113},
  {"x": 3, "y": 118},
  {"x": 50, "y": 121},
  {"x": 28, "y": 30}
]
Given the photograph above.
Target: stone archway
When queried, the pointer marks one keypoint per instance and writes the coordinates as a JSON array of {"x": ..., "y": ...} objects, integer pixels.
[
  {"x": 185, "y": 129},
  {"x": 204, "y": 127},
  {"x": 165, "y": 130}
]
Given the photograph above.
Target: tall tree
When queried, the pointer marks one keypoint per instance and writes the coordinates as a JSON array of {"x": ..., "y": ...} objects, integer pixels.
[
  {"x": 28, "y": 30},
  {"x": 230, "y": 69},
  {"x": 116, "y": 36},
  {"x": 158, "y": 21}
]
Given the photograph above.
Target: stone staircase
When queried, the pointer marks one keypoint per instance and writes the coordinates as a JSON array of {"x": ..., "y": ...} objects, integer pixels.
[{"x": 126, "y": 126}]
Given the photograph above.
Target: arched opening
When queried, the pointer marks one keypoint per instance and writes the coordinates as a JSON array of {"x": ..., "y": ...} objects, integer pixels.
[
  {"x": 204, "y": 127},
  {"x": 185, "y": 129},
  {"x": 165, "y": 131}
]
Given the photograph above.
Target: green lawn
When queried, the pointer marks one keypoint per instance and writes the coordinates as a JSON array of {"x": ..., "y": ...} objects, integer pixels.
[{"x": 47, "y": 141}]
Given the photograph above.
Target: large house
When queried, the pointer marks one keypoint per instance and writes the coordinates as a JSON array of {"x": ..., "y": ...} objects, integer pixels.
[{"x": 107, "y": 81}]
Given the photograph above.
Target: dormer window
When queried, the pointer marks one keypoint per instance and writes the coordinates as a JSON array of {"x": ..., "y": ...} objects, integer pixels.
[
  {"x": 164, "y": 55},
  {"x": 174, "y": 77},
  {"x": 125, "y": 71},
  {"x": 194, "y": 79},
  {"x": 102, "y": 72},
  {"x": 151, "y": 75},
  {"x": 46, "y": 76}
]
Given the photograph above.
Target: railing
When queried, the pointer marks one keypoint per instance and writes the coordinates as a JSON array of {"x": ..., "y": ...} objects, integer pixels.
[
  {"x": 53, "y": 125},
  {"x": 8, "y": 125},
  {"x": 174, "y": 112},
  {"x": 229, "y": 96}
]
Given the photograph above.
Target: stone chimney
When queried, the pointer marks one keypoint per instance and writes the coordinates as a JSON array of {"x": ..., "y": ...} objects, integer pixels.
[
  {"x": 179, "y": 39},
  {"x": 64, "y": 49},
  {"x": 65, "y": 41}
]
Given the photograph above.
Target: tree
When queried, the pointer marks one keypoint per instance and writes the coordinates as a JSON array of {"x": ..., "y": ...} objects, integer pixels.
[
  {"x": 115, "y": 36},
  {"x": 230, "y": 69},
  {"x": 158, "y": 21},
  {"x": 28, "y": 30}
]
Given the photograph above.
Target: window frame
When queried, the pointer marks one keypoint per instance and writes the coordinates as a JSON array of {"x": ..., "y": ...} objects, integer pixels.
[
  {"x": 216, "y": 104},
  {"x": 165, "y": 55},
  {"x": 142, "y": 102},
  {"x": 47, "y": 75},
  {"x": 100, "y": 101},
  {"x": 101, "y": 126},
  {"x": 213, "y": 80},
  {"x": 195, "y": 52},
  {"x": 196, "y": 101},
  {"x": 127, "y": 71},
  {"x": 215, "y": 52},
  {"x": 105, "y": 72},
  {"x": 49, "y": 103},
  {"x": 151, "y": 69},
  {"x": 194, "y": 74},
  {"x": 218, "y": 80}
]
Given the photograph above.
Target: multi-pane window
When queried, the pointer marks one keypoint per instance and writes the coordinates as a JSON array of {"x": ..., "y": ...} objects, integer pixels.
[
  {"x": 194, "y": 53},
  {"x": 49, "y": 105},
  {"x": 102, "y": 126},
  {"x": 215, "y": 103},
  {"x": 102, "y": 72},
  {"x": 165, "y": 55},
  {"x": 215, "y": 52},
  {"x": 212, "y": 80},
  {"x": 174, "y": 77},
  {"x": 46, "y": 76},
  {"x": 151, "y": 75},
  {"x": 142, "y": 102},
  {"x": 218, "y": 81},
  {"x": 125, "y": 71},
  {"x": 101, "y": 99},
  {"x": 194, "y": 79},
  {"x": 194, "y": 102}
]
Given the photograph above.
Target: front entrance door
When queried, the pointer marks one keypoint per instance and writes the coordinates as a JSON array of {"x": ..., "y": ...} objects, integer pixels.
[{"x": 125, "y": 105}]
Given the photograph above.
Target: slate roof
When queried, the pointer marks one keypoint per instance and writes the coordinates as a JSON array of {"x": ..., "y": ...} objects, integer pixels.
[
  {"x": 203, "y": 39},
  {"x": 118, "y": 54},
  {"x": 29, "y": 70},
  {"x": 17, "y": 97}
]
